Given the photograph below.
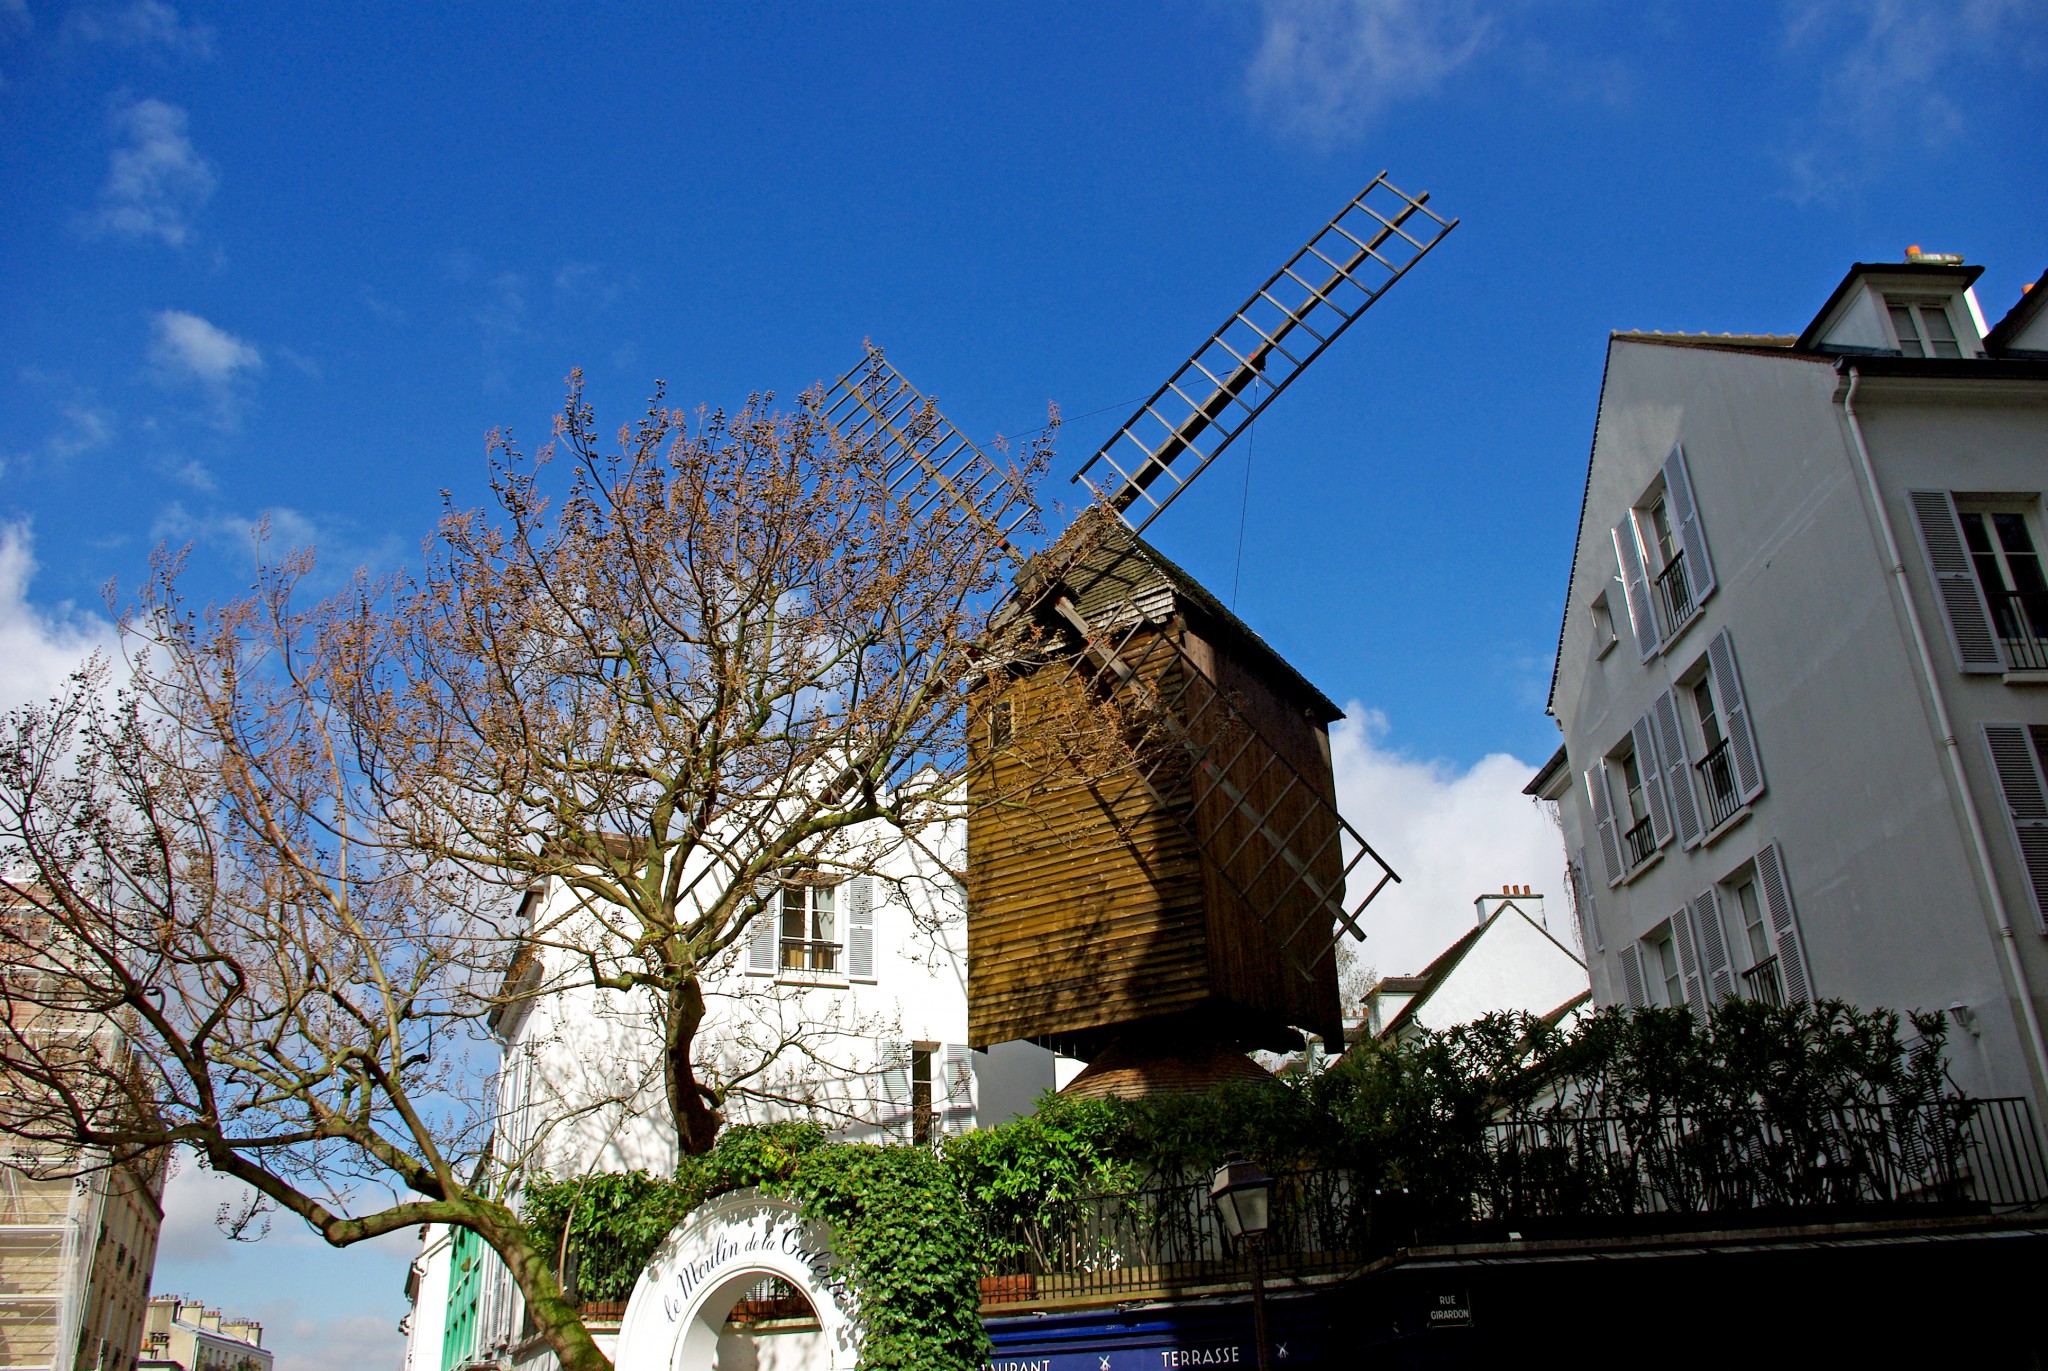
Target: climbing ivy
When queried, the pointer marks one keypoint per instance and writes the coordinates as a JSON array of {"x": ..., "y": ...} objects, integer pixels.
[{"x": 899, "y": 1220}]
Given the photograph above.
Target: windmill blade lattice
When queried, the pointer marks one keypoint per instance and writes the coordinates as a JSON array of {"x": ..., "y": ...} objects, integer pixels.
[
  {"x": 929, "y": 460},
  {"x": 1306, "y": 305}
]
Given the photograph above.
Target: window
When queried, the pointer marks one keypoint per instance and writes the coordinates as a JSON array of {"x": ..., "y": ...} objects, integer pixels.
[
  {"x": 1604, "y": 636},
  {"x": 1640, "y": 834},
  {"x": 2003, "y": 553},
  {"x": 809, "y": 933},
  {"x": 1668, "y": 970},
  {"x": 1674, "y": 589},
  {"x": 1716, "y": 766},
  {"x": 1760, "y": 981},
  {"x": 1923, "y": 328},
  {"x": 923, "y": 1120}
]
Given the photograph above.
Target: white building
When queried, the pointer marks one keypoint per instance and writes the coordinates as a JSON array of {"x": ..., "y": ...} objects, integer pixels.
[
  {"x": 184, "y": 1335},
  {"x": 1803, "y": 671},
  {"x": 856, "y": 989},
  {"x": 1509, "y": 962}
]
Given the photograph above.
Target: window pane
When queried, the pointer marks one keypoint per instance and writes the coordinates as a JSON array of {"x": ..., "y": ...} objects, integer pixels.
[
  {"x": 1974, "y": 532},
  {"x": 1934, "y": 323},
  {"x": 1909, "y": 333},
  {"x": 2012, "y": 531},
  {"x": 823, "y": 899},
  {"x": 1753, "y": 922}
]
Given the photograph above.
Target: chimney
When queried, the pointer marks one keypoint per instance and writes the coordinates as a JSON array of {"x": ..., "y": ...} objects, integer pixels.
[
  {"x": 1518, "y": 896},
  {"x": 210, "y": 1320},
  {"x": 244, "y": 1330},
  {"x": 190, "y": 1312}
]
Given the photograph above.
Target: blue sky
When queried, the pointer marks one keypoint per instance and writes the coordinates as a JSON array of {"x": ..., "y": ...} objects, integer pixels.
[{"x": 297, "y": 260}]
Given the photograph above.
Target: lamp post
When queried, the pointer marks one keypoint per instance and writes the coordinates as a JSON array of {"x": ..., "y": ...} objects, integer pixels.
[{"x": 1242, "y": 1195}]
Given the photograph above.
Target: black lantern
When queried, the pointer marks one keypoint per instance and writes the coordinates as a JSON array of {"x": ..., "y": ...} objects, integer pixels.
[
  {"x": 1243, "y": 1196},
  {"x": 1241, "y": 1193}
]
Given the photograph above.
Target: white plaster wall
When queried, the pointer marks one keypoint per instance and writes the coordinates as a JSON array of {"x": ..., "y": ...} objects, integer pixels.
[
  {"x": 429, "y": 1321},
  {"x": 1514, "y": 967},
  {"x": 1877, "y": 855}
]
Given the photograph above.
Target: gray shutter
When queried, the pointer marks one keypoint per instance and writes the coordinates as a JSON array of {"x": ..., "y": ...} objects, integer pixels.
[
  {"x": 1685, "y": 805},
  {"x": 1699, "y": 567},
  {"x": 1713, "y": 941},
  {"x": 860, "y": 928},
  {"x": 1652, "y": 769},
  {"x": 2026, "y": 805},
  {"x": 1632, "y": 975},
  {"x": 895, "y": 1063},
  {"x": 1955, "y": 582},
  {"x": 1749, "y": 769},
  {"x": 1628, "y": 551},
  {"x": 1793, "y": 973},
  {"x": 1603, "y": 819},
  {"x": 764, "y": 936},
  {"x": 958, "y": 1065},
  {"x": 1689, "y": 964}
]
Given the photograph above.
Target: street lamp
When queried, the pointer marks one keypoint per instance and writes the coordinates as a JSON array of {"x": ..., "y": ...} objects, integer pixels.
[{"x": 1242, "y": 1195}]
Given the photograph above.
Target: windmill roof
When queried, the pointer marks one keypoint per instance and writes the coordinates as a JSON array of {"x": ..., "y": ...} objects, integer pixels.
[{"x": 1116, "y": 574}]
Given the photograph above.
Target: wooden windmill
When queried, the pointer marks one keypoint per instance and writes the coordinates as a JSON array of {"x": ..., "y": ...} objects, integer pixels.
[{"x": 1191, "y": 896}]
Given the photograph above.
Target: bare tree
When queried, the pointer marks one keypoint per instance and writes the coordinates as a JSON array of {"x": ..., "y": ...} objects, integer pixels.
[{"x": 279, "y": 856}]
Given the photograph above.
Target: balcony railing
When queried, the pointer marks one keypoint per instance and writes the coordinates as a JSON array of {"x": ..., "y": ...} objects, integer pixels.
[
  {"x": 1674, "y": 594},
  {"x": 1641, "y": 841},
  {"x": 808, "y": 954},
  {"x": 1563, "y": 1174},
  {"x": 2022, "y": 617},
  {"x": 1717, "y": 774},
  {"x": 1761, "y": 982}
]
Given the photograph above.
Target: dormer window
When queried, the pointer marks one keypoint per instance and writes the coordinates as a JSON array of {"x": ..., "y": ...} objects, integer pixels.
[{"x": 1923, "y": 328}]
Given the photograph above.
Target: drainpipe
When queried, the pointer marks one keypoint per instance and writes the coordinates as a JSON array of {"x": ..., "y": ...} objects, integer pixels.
[{"x": 2006, "y": 938}]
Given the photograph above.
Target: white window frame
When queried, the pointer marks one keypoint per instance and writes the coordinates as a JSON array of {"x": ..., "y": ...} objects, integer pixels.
[
  {"x": 821, "y": 952},
  {"x": 1922, "y": 343}
]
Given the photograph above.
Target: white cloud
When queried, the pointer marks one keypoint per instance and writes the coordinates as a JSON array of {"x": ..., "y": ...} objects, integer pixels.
[
  {"x": 156, "y": 180},
  {"x": 1325, "y": 68},
  {"x": 38, "y": 649},
  {"x": 186, "y": 348},
  {"x": 86, "y": 427},
  {"x": 141, "y": 24},
  {"x": 1889, "y": 70},
  {"x": 1452, "y": 834},
  {"x": 271, "y": 533}
]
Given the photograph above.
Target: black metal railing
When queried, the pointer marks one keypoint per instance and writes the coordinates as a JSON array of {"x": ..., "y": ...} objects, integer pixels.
[
  {"x": 1641, "y": 841},
  {"x": 1978, "y": 1155},
  {"x": 1717, "y": 774},
  {"x": 1762, "y": 982},
  {"x": 1560, "y": 1173},
  {"x": 1674, "y": 594},
  {"x": 808, "y": 954},
  {"x": 2022, "y": 617}
]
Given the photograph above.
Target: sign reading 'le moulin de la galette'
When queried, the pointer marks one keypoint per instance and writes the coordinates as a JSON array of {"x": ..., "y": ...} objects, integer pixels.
[{"x": 679, "y": 1305}]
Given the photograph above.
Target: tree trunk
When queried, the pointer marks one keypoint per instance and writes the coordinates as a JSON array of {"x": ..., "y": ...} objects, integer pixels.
[
  {"x": 554, "y": 1316},
  {"x": 697, "y": 1122}
]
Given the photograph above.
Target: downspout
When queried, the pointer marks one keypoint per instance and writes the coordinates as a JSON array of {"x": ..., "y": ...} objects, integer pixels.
[{"x": 2007, "y": 940}]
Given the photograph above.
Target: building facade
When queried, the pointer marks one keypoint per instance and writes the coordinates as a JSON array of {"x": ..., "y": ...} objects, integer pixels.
[
  {"x": 853, "y": 989},
  {"x": 1803, "y": 671},
  {"x": 184, "y": 1335}
]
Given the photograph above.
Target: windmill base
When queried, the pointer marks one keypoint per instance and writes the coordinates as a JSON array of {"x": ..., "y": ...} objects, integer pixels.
[{"x": 1175, "y": 1056}]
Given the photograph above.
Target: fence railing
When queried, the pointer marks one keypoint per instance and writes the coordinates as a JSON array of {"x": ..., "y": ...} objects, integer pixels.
[
  {"x": 2023, "y": 627},
  {"x": 1674, "y": 593},
  {"x": 1762, "y": 981},
  {"x": 1717, "y": 771},
  {"x": 1640, "y": 841},
  {"x": 1577, "y": 1174}
]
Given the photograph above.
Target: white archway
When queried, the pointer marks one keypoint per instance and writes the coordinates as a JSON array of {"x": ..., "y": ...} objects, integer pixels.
[{"x": 677, "y": 1314}]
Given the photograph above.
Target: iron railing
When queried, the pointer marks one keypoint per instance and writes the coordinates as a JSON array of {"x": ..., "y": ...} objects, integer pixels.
[
  {"x": 1642, "y": 841},
  {"x": 1977, "y": 1155},
  {"x": 1762, "y": 982},
  {"x": 1560, "y": 1174},
  {"x": 809, "y": 954},
  {"x": 1674, "y": 594},
  {"x": 2023, "y": 626},
  {"x": 1717, "y": 773}
]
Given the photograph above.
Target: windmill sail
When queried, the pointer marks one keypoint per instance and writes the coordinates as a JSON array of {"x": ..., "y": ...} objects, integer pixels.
[
  {"x": 1302, "y": 309},
  {"x": 928, "y": 461}
]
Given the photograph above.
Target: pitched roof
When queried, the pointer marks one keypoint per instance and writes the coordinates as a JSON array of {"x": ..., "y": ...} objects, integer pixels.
[{"x": 1110, "y": 570}]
